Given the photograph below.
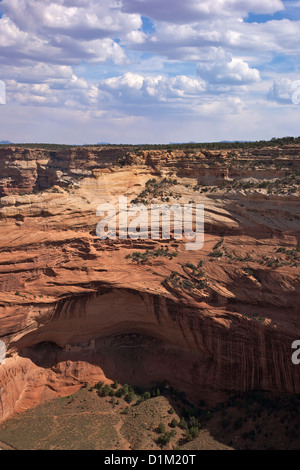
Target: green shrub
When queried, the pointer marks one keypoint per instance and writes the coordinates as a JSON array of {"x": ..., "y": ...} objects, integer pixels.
[
  {"x": 146, "y": 396},
  {"x": 192, "y": 433},
  {"x": 105, "y": 391},
  {"x": 161, "y": 428},
  {"x": 174, "y": 423},
  {"x": 129, "y": 397},
  {"x": 165, "y": 438},
  {"x": 98, "y": 386}
]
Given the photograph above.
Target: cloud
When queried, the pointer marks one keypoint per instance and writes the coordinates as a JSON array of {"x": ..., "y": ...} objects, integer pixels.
[
  {"x": 191, "y": 41},
  {"x": 64, "y": 31},
  {"x": 79, "y": 19},
  {"x": 70, "y": 31},
  {"x": 37, "y": 73},
  {"x": 194, "y": 10},
  {"x": 95, "y": 61},
  {"x": 285, "y": 91},
  {"x": 17, "y": 47},
  {"x": 140, "y": 90},
  {"x": 44, "y": 85},
  {"x": 222, "y": 69},
  {"x": 11, "y": 35}
]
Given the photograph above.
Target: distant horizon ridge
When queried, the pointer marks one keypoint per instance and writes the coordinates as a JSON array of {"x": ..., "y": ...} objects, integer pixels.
[{"x": 190, "y": 143}]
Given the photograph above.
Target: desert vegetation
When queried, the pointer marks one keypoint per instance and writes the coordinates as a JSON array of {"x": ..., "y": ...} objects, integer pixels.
[{"x": 158, "y": 417}]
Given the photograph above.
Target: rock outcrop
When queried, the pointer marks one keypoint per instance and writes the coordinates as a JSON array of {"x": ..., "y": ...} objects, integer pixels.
[
  {"x": 77, "y": 309},
  {"x": 23, "y": 171}
]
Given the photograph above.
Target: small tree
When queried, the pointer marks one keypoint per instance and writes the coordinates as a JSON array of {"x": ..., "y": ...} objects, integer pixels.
[
  {"x": 193, "y": 433},
  {"x": 147, "y": 396},
  {"x": 164, "y": 439},
  {"x": 174, "y": 423},
  {"x": 115, "y": 385},
  {"x": 105, "y": 391},
  {"x": 183, "y": 424},
  {"x": 161, "y": 428},
  {"x": 120, "y": 392},
  {"x": 98, "y": 385},
  {"x": 129, "y": 397}
]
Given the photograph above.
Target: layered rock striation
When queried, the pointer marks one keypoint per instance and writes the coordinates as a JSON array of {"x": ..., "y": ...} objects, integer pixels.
[{"x": 75, "y": 309}]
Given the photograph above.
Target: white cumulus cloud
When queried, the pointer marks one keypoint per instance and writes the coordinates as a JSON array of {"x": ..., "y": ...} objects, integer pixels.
[
  {"x": 134, "y": 87},
  {"x": 285, "y": 91},
  {"x": 193, "y": 10},
  {"x": 222, "y": 69}
]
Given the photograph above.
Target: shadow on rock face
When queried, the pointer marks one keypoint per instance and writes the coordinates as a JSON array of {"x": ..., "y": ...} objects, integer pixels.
[
  {"x": 43, "y": 354},
  {"x": 131, "y": 358}
]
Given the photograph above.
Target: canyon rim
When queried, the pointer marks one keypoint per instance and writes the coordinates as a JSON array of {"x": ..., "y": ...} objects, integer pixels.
[{"x": 76, "y": 309}]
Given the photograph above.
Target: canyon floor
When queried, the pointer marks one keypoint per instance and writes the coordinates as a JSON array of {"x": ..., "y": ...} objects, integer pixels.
[
  {"x": 86, "y": 420},
  {"x": 212, "y": 322}
]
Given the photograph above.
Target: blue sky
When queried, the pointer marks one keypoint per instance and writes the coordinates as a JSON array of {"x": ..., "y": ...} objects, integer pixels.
[{"x": 147, "y": 71}]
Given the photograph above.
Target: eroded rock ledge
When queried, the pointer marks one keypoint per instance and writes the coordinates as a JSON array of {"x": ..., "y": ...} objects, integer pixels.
[{"x": 76, "y": 309}]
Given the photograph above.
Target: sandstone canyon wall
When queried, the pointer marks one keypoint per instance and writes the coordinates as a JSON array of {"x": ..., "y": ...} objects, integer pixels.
[{"x": 76, "y": 309}]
